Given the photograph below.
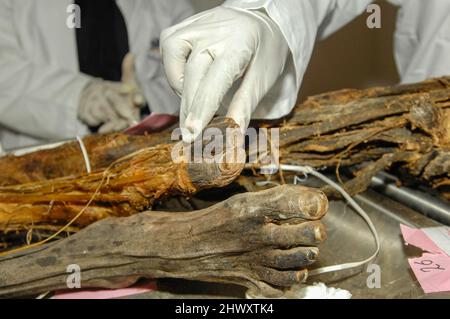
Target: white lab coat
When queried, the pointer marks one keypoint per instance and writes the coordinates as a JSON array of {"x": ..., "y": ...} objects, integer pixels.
[
  {"x": 422, "y": 40},
  {"x": 40, "y": 82}
]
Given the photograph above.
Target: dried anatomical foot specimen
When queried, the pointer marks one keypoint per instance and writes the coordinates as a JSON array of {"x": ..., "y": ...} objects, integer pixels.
[
  {"x": 262, "y": 240},
  {"x": 129, "y": 185}
]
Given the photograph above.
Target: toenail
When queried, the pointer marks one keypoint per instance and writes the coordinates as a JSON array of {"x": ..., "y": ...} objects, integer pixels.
[
  {"x": 301, "y": 276},
  {"x": 312, "y": 255},
  {"x": 318, "y": 232}
]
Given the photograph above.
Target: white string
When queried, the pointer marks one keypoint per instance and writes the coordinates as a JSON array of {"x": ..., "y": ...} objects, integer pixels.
[
  {"x": 87, "y": 162},
  {"x": 309, "y": 170}
]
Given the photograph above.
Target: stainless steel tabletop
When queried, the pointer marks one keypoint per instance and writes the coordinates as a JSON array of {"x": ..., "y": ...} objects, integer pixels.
[{"x": 349, "y": 239}]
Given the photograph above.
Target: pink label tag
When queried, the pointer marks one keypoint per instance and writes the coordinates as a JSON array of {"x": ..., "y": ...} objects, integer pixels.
[
  {"x": 440, "y": 236},
  {"x": 432, "y": 269},
  {"x": 106, "y": 293},
  {"x": 419, "y": 239}
]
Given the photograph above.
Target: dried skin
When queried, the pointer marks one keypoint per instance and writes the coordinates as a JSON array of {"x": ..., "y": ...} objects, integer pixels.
[
  {"x": 67, "y": 160},
  {"x": 269, "y": 236},
  {"x": 406, "y": 125},
  {"x": 263, "y": 241},
  {"x": 128, "y": 186}
]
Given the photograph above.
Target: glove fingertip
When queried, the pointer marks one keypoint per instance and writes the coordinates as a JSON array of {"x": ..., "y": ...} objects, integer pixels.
[
  {"x": 192, "y": 128},
  {"x": 240, "y": 120}
]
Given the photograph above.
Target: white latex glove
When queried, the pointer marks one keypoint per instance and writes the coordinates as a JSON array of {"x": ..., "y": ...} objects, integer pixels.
[
  {"x": 207, "y": 53},
  {"x": 113, "y": 105},
  {"x": 108, "y": 104}
]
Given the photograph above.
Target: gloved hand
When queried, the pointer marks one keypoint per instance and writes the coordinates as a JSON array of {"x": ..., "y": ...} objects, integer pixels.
[
  {"x": 113, "y": 105},
  {"x": 207, "y": 53}
]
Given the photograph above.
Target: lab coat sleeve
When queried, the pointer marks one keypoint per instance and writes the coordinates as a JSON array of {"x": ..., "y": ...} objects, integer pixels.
[
  {"x": 40, "y": 101},
  {"x": 301, "y": 22},
  {"x": 422, "y": 39}
]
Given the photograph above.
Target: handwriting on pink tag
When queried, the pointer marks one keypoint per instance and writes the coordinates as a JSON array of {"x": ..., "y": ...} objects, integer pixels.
[
  {"x": 432, "y": 271},
  {"x": 106, "y": 293}
]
